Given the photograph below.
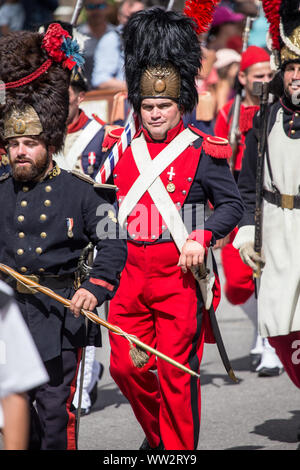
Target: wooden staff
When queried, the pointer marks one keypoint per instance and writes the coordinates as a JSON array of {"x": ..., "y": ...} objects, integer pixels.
[{"x": 94, "y": 318}]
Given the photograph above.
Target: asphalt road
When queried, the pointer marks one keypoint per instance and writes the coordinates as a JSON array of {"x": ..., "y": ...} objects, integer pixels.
[
  {"x": 255, "y": 414},
  {"x": 258, "y": 413}
]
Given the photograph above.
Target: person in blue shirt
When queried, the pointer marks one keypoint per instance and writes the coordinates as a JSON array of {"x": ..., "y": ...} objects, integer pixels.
[{"x": 108, "y": 58}]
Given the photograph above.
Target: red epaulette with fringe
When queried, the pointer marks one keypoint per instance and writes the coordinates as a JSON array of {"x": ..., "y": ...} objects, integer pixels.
[
  {"x": 111, "y": 136},
  {"x": 216, "y": 147}
]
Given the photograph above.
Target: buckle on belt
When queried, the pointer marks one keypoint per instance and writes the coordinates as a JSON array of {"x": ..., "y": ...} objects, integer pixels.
[
  {"x": 287, "y": 201},
  {"x": 23, "y": 289}
]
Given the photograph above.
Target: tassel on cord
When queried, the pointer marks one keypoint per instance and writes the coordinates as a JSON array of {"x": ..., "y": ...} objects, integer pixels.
[
  {"x": 138, "y": 356},
  {"x": 94, "y": 317}
]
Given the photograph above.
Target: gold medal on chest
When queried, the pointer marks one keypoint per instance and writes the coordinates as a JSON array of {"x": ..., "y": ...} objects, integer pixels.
[{"x": 171, "y": 187}]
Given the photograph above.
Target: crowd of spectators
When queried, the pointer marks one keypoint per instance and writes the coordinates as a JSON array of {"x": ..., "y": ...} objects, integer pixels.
[{"x": 101, "y": 23}]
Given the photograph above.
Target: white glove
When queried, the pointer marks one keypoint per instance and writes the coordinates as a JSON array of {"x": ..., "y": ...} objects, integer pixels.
[{"x": 250, "y": 257}]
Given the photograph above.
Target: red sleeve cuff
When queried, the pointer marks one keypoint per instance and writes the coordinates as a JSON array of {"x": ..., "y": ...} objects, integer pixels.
[
  {"x": 102, "y": 283},
  {"x": 201, "y": 236}
]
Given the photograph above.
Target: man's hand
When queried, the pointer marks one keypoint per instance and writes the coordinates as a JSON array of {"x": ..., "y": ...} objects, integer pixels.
[
  {"x": 250, "y": 257},
  {"x": 221, "y": 242},
  {"x": 192, "y": 254},
  {"x": 82, "y": 299}
]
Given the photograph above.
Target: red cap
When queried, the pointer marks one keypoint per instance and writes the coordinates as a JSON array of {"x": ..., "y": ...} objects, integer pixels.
[{"x": 252, "y": 56}]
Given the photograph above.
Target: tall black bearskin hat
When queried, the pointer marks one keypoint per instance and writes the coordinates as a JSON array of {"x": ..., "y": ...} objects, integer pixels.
[
  {"x": 284, "y": 30},
  {"x": 35, "y": 71},
  {"x": 163, "y": 54}
]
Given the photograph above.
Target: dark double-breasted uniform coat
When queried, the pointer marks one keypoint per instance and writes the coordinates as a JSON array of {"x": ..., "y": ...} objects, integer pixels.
[{"x": 44, "y": 228}]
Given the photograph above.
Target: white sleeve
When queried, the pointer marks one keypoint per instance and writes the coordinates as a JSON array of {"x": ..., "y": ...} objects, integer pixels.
[
  {"x": 106, "y": 58},
  {"x": 244, "y": 235}
]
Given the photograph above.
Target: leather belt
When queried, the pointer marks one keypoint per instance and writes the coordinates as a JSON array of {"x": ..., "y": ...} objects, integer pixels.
[
  {"x": 52, "y": 282},
  {"x": 285, "y": 201}
]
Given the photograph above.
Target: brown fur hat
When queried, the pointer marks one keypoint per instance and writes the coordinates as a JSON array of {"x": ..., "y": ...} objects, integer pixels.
[{"x": 21, "y": 54}]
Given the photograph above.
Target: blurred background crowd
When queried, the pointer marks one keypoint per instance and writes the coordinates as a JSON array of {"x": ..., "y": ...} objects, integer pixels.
[
  {"x": 101, "y": 22},
  {"x": 235, "y": 55}
]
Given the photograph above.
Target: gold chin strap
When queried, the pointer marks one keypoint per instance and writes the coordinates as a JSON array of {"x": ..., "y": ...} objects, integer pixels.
[
  {"x": 20, "y": 123},
  {"x": 160, "y": 82}
]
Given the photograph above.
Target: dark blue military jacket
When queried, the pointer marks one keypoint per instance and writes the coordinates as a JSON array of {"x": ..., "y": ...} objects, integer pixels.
[
  {"x": 44, "y": 227},
  {"x": 95, "y": 146}
]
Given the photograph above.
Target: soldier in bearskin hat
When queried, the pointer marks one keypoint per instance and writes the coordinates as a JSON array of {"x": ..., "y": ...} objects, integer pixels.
[
  {"x": 278, "y": 298},
  {"x": 48, "y": 217},
  {"x": 167, "y": 170}
]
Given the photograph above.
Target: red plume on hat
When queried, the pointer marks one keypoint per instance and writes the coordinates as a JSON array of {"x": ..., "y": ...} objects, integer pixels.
[
  {"x": 201, "y": 11},
  {"x": 284, "y": 30},
  {"x": 272, "y": 12}
]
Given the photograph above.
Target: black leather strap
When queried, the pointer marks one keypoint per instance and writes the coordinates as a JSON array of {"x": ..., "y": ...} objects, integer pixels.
[{"x": 285, "y": 201}]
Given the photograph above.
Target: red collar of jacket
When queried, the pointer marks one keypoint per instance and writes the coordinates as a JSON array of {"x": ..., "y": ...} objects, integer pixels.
[
  {"x": 171, "y": 134},
  {"x": 77, "y": 125}
]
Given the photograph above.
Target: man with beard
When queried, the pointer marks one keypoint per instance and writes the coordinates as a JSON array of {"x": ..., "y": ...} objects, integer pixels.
[
  {"x": 239, "y": 284},
  {"x": 278, "y": 297},
  {"x": 48, "y": 217}
]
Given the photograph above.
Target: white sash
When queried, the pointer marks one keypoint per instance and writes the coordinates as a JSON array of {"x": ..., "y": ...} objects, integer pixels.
[
  {"x": 149, "y": 173},
  {"x": 79, "y": 145},
  {"x": 150, "y": 170}
]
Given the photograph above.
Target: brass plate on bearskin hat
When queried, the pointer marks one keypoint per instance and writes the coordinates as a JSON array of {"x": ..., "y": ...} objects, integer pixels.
[
  {"x": 20, "y": 123},
  {"x": 161, "y": 81}
]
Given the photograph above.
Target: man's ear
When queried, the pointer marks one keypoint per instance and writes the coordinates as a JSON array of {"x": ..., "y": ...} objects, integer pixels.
[
  {"x": 81, "y": 97},
  {"x": 51, "y": 150},
  {"x": 242, "y": 78}
]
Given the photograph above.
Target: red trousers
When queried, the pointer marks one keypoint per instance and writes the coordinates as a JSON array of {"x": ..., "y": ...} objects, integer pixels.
[
  {"x": 159, "y": 304},
  {"x": 288, "y": 350},
  {"x": 239, "y": 284}
]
